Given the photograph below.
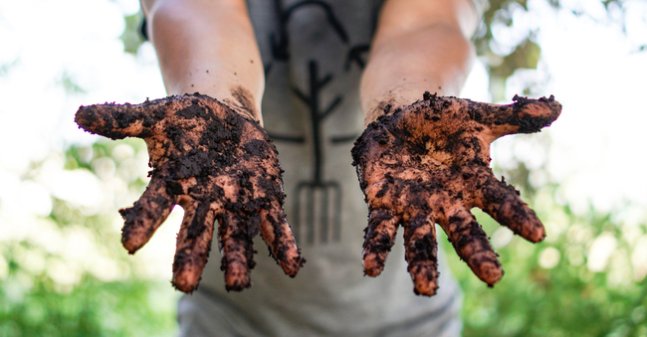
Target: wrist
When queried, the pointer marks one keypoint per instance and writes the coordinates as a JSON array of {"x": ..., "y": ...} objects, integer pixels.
[
  {"x": 238, "y": 100},
  {"x": 399, "y": 98},
  {"x": 244, "y": 102}
]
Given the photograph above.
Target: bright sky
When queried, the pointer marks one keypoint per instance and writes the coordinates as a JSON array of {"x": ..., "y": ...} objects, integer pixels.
[{"x": 598, "y": 142}]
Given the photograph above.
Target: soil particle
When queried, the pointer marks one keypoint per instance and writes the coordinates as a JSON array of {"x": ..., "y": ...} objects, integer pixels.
[
  {"x": 245, "y": 100},
  {"x": 194, "y": 111},
  {"x": 174, "y": 188},
  {"x": 257, "y": 148},
  {"x": 125, "y": 119},
  {"x": 387, "y": 108},
  {"x": 197, "y": 226},
  {"x": 431, "y": 158}
]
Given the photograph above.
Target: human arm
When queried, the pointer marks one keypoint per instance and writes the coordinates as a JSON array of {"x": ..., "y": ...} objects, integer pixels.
[
  {"x": 419, "y": 46},
  {"x": 209, "y": 47},
  {"x": 208, "y": 152},
  {"x": 426, "y": 161}
]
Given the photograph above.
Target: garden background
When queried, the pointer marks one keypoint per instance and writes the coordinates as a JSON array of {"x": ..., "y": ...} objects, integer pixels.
[{"x": 64, "y": 273}]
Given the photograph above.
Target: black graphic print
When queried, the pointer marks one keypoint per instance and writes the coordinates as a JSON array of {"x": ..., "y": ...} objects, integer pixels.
[
  {"x": 280, "y": 41},
  {"x": 328, "y": 192},
  {"x": 317, "y": 202},
  {"x": 357, "y": 55}
]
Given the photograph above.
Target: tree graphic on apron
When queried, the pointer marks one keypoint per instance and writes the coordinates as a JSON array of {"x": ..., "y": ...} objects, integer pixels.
[{"x": 317, "y": 202}]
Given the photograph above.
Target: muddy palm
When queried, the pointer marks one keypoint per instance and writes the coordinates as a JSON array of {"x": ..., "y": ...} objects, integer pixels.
[
  {"x": 215, "y": 161},
  {"x": 428, "y": 163}
]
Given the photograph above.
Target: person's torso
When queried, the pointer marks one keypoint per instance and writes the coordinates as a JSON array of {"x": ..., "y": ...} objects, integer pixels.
[{"x": 313, "y": 54}]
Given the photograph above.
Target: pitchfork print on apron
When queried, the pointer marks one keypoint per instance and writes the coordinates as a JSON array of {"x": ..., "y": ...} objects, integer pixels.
[{"x": 317, "y": 201}]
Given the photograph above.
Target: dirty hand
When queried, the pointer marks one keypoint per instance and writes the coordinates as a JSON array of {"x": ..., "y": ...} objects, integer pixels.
[
  {"x": 428, "y": 163},
  {"x": 218, "y": 164}
]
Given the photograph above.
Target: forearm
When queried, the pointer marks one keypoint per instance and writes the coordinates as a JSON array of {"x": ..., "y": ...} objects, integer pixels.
[
  {"x": 208, "y": 47},
  {"x": 405, "y": 62}
]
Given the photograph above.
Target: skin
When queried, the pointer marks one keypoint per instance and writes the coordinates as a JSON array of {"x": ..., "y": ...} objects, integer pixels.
[
  {"x": 217, "y": 164},
  {"x": 419, "y": 46},
  {"x": 206, "y": 46},
  {"x": 428, "y": 163},
  {"x": 418, "y": 162},
  {"x": 407, "y": 170}
]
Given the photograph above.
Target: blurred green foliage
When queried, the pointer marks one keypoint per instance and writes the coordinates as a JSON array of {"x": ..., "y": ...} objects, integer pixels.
[
  {"x": 549, "y": 288},
  {"x": 44, "y": 293},
  {"x": 34, "y": 305},
  {"x": 564, "y": 298},
  {"x": 562, "y": 286},
  {"x": 503, "y": 56},
  {"x": 131, "y": 37}
]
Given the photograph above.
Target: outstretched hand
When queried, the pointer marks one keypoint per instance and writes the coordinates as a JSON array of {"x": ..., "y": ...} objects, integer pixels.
[
  {"x": 428, "y": 163},
  {"x": 215, "y": 162}
]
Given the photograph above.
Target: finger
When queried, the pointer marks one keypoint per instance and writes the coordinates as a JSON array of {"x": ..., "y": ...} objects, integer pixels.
[
  {"x": 502, "y": 202},
  {"x": 471, "y": 244},
  {"x": 379, "y": 237},
  {"x": 421, "y": 253},
  {"x": 237, "y": 252},
  {"x": 524, "y": 115},
  {"x": 146, "y": 215},
  {"x": 381, "y": 194},
  {"x": 278, "y": 236},
  {"x": 193, "y": 246},
  {"x": 118, "y": 121}
]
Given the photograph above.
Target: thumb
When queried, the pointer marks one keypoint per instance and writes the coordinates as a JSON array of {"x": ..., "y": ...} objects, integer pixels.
[
  {"x": 524, "y": 115},
  {"x": 118, "y": 121}
]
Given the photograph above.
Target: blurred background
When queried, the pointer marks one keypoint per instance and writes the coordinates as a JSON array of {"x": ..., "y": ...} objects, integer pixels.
[{"x": 63, "y": 271}]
